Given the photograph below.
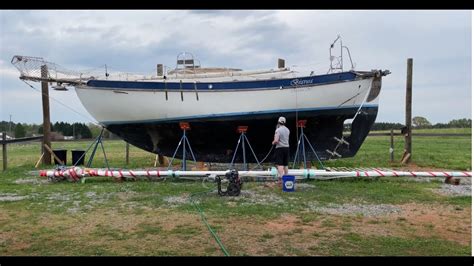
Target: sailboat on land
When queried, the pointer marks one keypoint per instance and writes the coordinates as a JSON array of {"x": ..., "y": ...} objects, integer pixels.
[{"x": 146, "y": 111}]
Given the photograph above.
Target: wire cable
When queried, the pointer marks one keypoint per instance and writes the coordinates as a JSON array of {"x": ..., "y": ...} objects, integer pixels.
[{"x": 94, "y": 122}]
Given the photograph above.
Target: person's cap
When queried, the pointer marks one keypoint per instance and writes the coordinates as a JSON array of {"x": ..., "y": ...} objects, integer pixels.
[{"x": 282, "y": 120}]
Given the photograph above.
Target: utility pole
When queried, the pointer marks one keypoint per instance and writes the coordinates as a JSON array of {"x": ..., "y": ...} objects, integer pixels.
[
  {"x": 408, "y": 105},
  {"x": 46, "y": 120}
]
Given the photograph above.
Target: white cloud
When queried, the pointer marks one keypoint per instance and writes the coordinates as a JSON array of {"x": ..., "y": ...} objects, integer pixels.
[
  {"x": 25, "y": 105},
  {"x": 136, "y": 40},
  {"x": 7, "y": 71}
]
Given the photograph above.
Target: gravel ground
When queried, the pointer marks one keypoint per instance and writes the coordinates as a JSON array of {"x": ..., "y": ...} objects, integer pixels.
[
  {"x": 33, "y": 181},
  {"x": 246, "y": 197},
  {"x": 254, "y": 197},
  {"x": 455, "y": 190},
  {"x": 59, "y": 196},
  {"x": 356, "y": 209},
  {"x": 76, "y": 208},
  {"x": 176, "y": 200},
  {"x": 11, "y": 197},
  {"x": 91, "y": 194},
  {"x": 463, "y": 180}
]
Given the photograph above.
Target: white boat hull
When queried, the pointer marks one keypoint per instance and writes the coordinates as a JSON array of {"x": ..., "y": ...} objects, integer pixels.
[{"x": 116, "y": 105}]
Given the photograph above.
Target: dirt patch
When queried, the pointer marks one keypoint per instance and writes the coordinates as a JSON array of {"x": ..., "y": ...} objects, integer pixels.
[
  {"x": 290, "y": 234},
  {"x": 412, "y": 221},
  {"x": 15, "y": 235},
  {"x": 153, "y": 231},
  {"x": 163, "y": 231},
  {"x": 9, "y": 239},
  {"x": 447, "y": 222},
  {"x": 284, "y": 223},
  {"x": 150, "y": 231}
]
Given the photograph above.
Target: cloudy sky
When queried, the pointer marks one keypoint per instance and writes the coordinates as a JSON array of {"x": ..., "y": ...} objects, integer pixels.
[{"x": 135, "y": 41}]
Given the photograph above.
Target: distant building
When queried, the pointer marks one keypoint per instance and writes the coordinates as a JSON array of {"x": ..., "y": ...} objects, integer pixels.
[
  {"x": 7, "y": 137},
  {"x": 56, "y": 136}
]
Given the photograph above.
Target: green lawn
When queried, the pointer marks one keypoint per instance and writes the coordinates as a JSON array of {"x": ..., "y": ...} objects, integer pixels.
[
  {"x": 453, "y": 153},
  {"x": 433, "y": 152},
  {"x": 104, "y": 217},
  {"x": 437, "y": 131}
]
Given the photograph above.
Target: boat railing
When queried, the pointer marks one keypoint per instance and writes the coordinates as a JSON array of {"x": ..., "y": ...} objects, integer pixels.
[
  {"x": 186, "y": 63},
  {"x": 337, "y": 62},
  {"x": 38, "y": 69},
  {"x": 228, "y": 73}
]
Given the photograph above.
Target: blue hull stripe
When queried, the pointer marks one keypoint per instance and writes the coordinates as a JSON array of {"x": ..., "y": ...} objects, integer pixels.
[
  {"x": 236, "y": 114},
  {"x": 260, "y": 84}
]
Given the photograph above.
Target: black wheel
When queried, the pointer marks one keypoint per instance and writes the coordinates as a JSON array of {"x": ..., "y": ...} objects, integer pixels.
[{"x": 233, "y": 189}]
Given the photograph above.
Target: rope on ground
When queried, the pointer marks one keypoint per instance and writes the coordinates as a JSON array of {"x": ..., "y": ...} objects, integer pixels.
[{"x": 203, "y": 218}]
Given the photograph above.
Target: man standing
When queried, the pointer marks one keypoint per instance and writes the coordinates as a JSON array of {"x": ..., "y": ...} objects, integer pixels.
[{"x": 282, "y": 149}]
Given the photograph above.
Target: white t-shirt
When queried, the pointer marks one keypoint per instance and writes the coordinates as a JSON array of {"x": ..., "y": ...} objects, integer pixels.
[{"x": 283, "y": 136}]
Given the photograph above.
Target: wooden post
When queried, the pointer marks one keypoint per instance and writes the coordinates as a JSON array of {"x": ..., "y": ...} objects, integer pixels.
[
  {"x": 51, "y": 152},
  {"x": 4, "y": 148},
  {"x": 406, "y": 158},
  {"x": 160, "y": 160},
  {"x": 391, "y": 145},
  {"x": 42, "y": 149},
  {"x": 408, "y": 103},
  {"x": 46, "y": 120},
  {"x": 127, "y": 149},
  {"x": 40, "y": 159}
]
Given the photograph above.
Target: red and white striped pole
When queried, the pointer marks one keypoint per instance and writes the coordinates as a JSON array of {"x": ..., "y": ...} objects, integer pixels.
[{"x": 76, "y": 173}]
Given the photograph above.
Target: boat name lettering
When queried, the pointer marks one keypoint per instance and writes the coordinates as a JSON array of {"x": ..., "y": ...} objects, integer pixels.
[{"x": 295, "y": 82}]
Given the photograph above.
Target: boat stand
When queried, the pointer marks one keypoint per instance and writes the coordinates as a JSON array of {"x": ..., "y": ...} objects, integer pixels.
[
  {"x": 184, "y": 139},
  {"x": 301, "y": 141},
  {"x": 97, "y": 141},
  {"x": 242, "y": 139}
]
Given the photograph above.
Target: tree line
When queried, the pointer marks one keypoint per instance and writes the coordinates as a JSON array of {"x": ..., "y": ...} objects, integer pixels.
[
  {"x": 86, "y": 131},
  {"x": 419, "y": 122},
  {"x": 77, "y": 130}
]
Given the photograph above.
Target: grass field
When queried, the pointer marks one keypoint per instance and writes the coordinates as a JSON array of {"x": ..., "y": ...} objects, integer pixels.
[
  {"x": 344, "y": 217},
  {"x": 431, "y": 152}
]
